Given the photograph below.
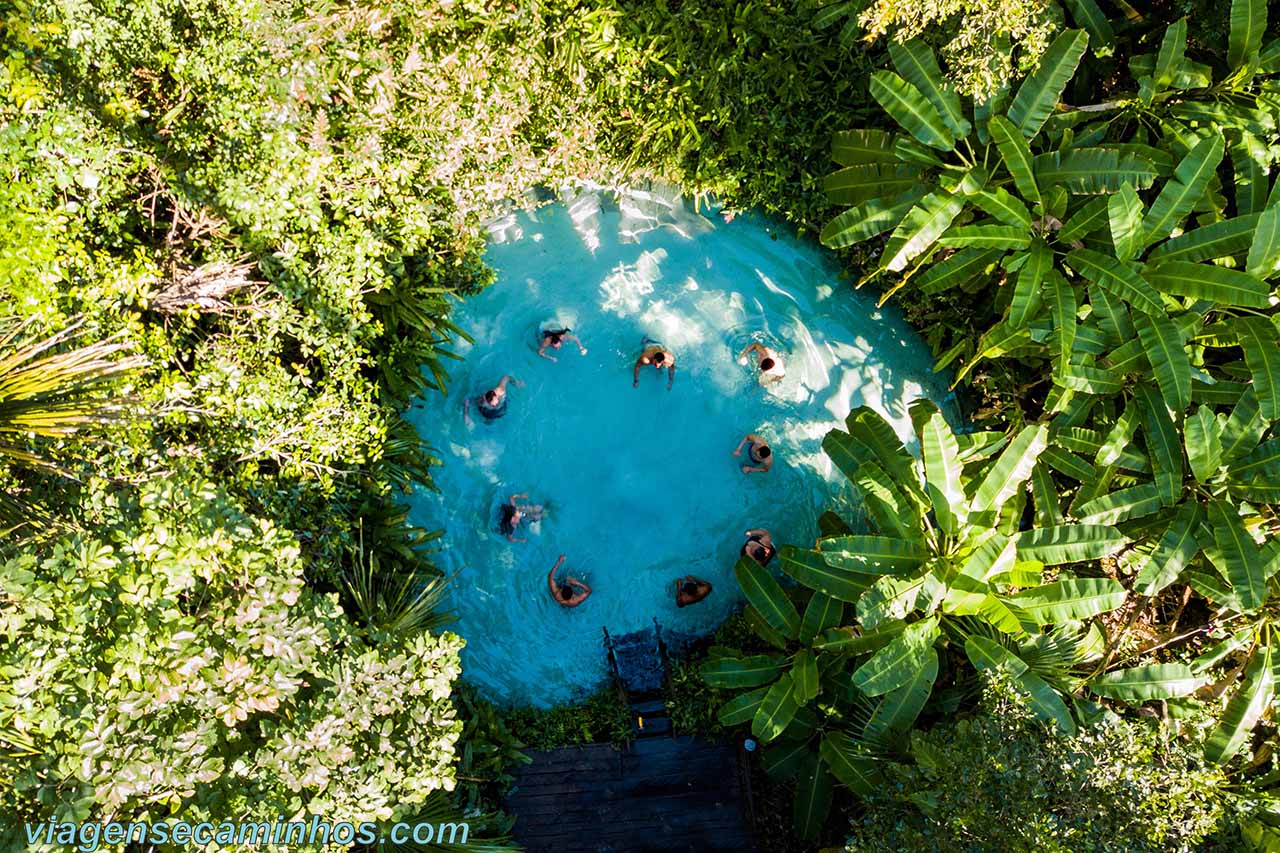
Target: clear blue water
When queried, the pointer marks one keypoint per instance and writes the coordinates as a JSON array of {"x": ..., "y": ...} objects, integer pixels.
[{"x": 640, "y": 484}]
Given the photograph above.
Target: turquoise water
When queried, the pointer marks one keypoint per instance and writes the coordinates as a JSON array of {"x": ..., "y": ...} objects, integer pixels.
[{"x": 640, "y": 484}]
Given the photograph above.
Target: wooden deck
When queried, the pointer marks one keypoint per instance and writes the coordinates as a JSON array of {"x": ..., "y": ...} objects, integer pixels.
[{"x": 662, "y": 794}]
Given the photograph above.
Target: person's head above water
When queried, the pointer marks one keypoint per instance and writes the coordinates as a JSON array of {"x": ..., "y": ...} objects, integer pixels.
[
  {"x": 767, "y": 363},
  {"x": 763, "y": 451},
  {"x": 689, "y": 588},
  {"x": 757, "y": 551},
  {"x": 557, "y": 337},
  {"x": 566, "y": 591},
  {"x": 659, "y": 357},
  {"x": 491, "y": 397}
]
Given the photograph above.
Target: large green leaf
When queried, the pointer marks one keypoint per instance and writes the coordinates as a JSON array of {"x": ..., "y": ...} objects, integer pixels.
[
  {"x": 1180, "y": 195},
  {"x": 1248, "y": 158},
  {"x": 942, "y": 466},
  {"x": 810, "y": 569},
  {"x": 985, "y": 236},
  {"x": 854, "y": 147},
  {"x": 1217, "y": 240},
  {"x": 1091, "y": 216},
  {"x": 1173, "y": 552},
  {"x": 1016, "y": 154},
  {"x": 872, "y": 555},
  {"x": 960, "y": 268},
  {"x": 1123, "y": 504},
  {"x": 873, "y": 432},
  {"x": 1206, "y": 281},
  {"x": 741, "y": 708},
  {"x": 910, "y": 109},
  {"x": 1244, "y": 428},
  {"x": 1062, "y": 309},
  {"x": 1203, "y": 437},
  {"x": 899, "y": 708},
  {"x": 868, "y": 219},
  {"x": 1074, "y": 598},
  {"x": 736, "y": 673},
  {"x": 1011, "y": 469},
  {"x": 821, "y": 613},
  {"x": 849, "y": 641},
  {"x": 1248, "y": 24},
  {"x": 892, "y": 512},
  {"x": 1026, "y": 298},
  {"x": 1244, "y": 709},
  {"x": 898, "y": 662},
  {"x": 1168, "y": 357},
  {"x": 857, "y": 184},
  {"x": 922, "y": 225},
  {"x": 776, "y": 711},
  {"x": 813, "y": 797},
  {"x": 1039, "y": 93},
  {"x": 1090, "y": 171},
  {"x": 804, "y": 674},
  {"x": 1124, "y": 212},
  {"x": 855, "y": 769},
  {"x": 1069, "y": 543},
  {"x": 1087, "y": 14},
  {"x": 767, "y": 596},
  {"x": 1163, "y": 447},
  {"x": 1145, "y": 683},
  {"x": 1258, "y": 340},
  {"x": 1118, "y": 278},
  {"x": 1264, "y": 250},
  {"x": 1004, "y": 207},
  {"x": 1240, "y": 557},
  {"x": 1173, "y": 48},
  {"x": 917, "y": 64}
]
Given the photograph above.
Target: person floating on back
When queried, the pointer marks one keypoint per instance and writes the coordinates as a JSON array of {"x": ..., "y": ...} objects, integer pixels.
[
  {"x": 492, "y": 404},
  {"x": 513, "y": 513},
  {"x": 554, "y": 337},
  {"x": 659, "y": 356},
  {"x": 759, "y": 546},
  {"x": 691, "y": 590},
  {"x": 769, "y": 361},
  {"x": 569, "y": 592},
  {"x": 759, "y": 453}
]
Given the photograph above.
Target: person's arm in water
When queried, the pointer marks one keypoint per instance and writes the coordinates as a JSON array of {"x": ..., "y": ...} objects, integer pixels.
[
  {"x": 754, "y": 346},
  {"x": 466, "y": 411},
  {"x": 551, "y": 578},
  {"x": 580, "y": 596},
  {"x": 737, "y": 451},
  {"x": 671, "y": 375},
  {"x": 635, "y": 375},
  {"x": 581, "y": 349},
  {"x": 542, "y": 350},
  {"x": 502, "y": 383},
  {"x": 764, "y": 537}
]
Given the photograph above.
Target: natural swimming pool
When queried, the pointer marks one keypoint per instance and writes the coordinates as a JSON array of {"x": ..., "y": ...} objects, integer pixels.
[{"x": 639, "y": 483}]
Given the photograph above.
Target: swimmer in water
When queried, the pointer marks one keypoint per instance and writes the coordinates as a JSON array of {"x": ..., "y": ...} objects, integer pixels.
[
  {"x": 759, "y": 546},
  {"x": 759, "y": 453},
  {"x": 691, "y": 590},
  {"x": 554, "y": 338},
  {"x": 569, "y": 592},
  {"x": 768, "y": 360},
  {"x": 492, "y": 404},
  {"x": 513, "y": 513},
  {"x": 659, "y": 356}
]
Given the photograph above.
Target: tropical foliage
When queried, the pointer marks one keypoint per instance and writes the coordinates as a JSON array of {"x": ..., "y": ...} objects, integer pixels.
[{"x": 998, "y": 779}]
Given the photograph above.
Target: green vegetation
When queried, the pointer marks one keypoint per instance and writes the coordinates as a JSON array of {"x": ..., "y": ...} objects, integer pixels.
[
  {"x": 1001, "y": 780},
  {"x": 230, "y": 234}
]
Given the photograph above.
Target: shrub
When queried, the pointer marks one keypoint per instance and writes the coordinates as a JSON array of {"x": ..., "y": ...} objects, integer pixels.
[{"x": 1002, "y": 780}]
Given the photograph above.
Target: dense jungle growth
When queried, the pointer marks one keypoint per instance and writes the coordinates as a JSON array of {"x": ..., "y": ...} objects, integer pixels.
[{"x": 230, "y": 235}]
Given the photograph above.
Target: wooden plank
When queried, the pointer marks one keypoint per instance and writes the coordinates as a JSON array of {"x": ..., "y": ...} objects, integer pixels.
[{"x": 664, "y": 794}]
